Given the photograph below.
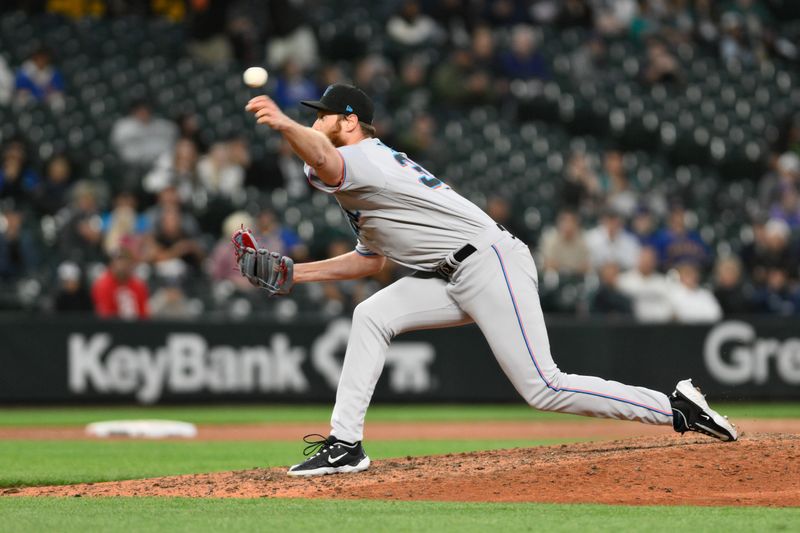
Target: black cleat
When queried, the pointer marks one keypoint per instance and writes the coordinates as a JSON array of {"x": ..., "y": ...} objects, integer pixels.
[
  {"x": 690, "y": 412},
  {"x": 330, "y": 456}
]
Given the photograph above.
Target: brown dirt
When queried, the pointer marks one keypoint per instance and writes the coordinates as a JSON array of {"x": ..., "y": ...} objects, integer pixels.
[
  {"x": 579, "y": 429},
  {"x": 759, "y": 469}
]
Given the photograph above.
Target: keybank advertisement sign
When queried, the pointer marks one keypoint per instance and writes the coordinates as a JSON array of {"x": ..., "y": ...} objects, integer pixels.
[
  {"x": 48, "y": 361},
  {"x": 736, "y": 354},
  {"x": 187, "y": 363}
]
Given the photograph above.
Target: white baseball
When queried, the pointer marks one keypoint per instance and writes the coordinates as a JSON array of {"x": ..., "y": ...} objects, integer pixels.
[{"x": 255, "y": 77}]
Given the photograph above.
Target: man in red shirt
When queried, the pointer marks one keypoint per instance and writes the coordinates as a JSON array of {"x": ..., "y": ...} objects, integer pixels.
[{"x": 117, "y": 293}]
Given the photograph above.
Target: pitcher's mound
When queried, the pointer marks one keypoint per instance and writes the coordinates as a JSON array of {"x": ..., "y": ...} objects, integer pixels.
[{"x": 759, "y": 469}]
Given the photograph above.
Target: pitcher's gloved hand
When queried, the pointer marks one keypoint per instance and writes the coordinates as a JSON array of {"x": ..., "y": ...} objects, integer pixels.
[
  {"x": 267, "y": 270},
  {"x": 242, "y": 239}
]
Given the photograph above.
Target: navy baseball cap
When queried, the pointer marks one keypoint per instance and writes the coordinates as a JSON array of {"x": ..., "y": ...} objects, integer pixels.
[{"x": 345, "y": 100}]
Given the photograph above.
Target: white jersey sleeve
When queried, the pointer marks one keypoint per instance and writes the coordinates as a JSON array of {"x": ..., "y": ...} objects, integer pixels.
[{"x": 358, "y": 174}]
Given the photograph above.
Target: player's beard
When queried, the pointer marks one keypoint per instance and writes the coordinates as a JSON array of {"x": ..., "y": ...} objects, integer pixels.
[{"x": 335, "y": 134}]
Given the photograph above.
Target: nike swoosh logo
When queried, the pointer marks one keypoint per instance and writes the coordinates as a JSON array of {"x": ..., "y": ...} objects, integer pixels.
[{"x": 332, "y": 460}]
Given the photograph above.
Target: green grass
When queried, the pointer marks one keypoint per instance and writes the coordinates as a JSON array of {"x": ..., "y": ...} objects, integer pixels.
[
  {"x": 65, "y": 462},
  {"x": 71, "y": 416},
  {"x": 177, "y": 514}
]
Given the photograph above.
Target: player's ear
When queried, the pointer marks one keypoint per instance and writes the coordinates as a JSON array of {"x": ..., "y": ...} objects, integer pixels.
[{"x": 352, "y": 122}]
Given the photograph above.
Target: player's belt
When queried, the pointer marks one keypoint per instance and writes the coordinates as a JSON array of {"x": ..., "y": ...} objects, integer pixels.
[{"x": 449, "y": 264}]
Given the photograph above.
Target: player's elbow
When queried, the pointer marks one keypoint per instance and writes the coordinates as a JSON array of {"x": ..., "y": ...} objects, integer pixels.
[{"x": 330, "y": 175}]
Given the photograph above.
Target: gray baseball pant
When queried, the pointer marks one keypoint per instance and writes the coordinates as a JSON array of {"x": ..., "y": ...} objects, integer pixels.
[{"x": 496, "y": 287}]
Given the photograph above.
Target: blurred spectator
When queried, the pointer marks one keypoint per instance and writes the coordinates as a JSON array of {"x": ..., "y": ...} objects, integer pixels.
[
  {"x": 589, "y": 60},
  {"x": 82, "y": 234},
  {"x": 690, "y": 302},
  {"x": 293, "y": 86},
  {"x": 500, "y": 209},
  {"x": 178, "y": 169},
  {"x": 457, "y": 82},
  {"x": 753, "y": 250},
  {"x": 523, "y": 60},
  {"x": 6, "y": 82},
  {"x": 220, "y": 174},
  {"x": 270, "y": 234},
  {"x": 282, "y": 169},
  {"x": 677, "y": 243},
  {"x": 118, "y": 293},
  {"x": 254, "y": 170},
  {"x": 329, "y": 74},
  {"x": 169, "y": 199},
  {"x": 421, "y": 139},
  {"x": 410, "y": 29},
  {"x": 777, "y": 296},
  {"x": 139, "y": 138},
  {"x": 18, "y": 181},
  {"x": 734, "y": 45},
  {"x": 372, "y": 75},
  {"x": 753, "y": 15},
  {"x": 787, "y": 208},
  {"x": 609, "y": 242},
  {"x": 643, "y": 225},
  {"x": 770, "y": 250},
  {"x": 647, "y": 288},
  {"x": 786, "y": 174},
  {"x": 173, "y": 252},
  {"x": 52, "y": 194},
  {"x": 71, "y": 295},
  {"x": 613, "y": 17},
  {"x": 123, "y": 226},
  {"x": 483, "y": 49},
  {"x": 189, "y": 128},
  {"x": 564, "y": 248},
  {"x": 411, "y": 89},
  {"x": 646, "y": 21},
  {"x": 205, "y": 29},
  {"x": 18, "y": 255},
  {"x": 661, "y": 65},
  {"x": 290, "y": 35},
  {"x": 581, "y": 187},
  {"x": 609, "y": 299},
  {"x": 38, "y": 80},
  {"x": 170, "y": 302},
  {"x": 222, "y": 265},
  {"x": 734, "y": 296},
  {"x": 615, "y": 185}
]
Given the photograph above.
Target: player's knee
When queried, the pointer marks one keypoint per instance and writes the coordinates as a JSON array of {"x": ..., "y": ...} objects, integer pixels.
[
  {"x": 543, "y": 394},
  {"x": 369, "y": 313}
]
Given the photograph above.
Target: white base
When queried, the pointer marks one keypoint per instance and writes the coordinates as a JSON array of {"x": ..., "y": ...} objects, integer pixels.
[{"x": 142, "y": 429}]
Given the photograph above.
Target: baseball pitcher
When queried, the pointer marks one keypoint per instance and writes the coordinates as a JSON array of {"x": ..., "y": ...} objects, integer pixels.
[{"x": 467, "y": 269}]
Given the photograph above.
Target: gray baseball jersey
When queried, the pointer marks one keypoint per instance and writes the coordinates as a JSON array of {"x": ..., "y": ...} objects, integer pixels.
[
  {"x": 400, "y": 210},
  {"x": 403, "y": 212}
]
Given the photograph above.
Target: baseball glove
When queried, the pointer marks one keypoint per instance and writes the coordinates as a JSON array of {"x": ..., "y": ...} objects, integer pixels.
[{"x": 266, "y": 270}]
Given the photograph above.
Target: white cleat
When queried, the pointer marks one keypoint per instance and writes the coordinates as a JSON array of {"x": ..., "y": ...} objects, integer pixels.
[{"x": 691, "y": 413}]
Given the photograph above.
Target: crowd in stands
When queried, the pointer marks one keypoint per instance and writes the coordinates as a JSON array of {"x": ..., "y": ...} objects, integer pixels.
[{"x": 140, "y": 250}]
